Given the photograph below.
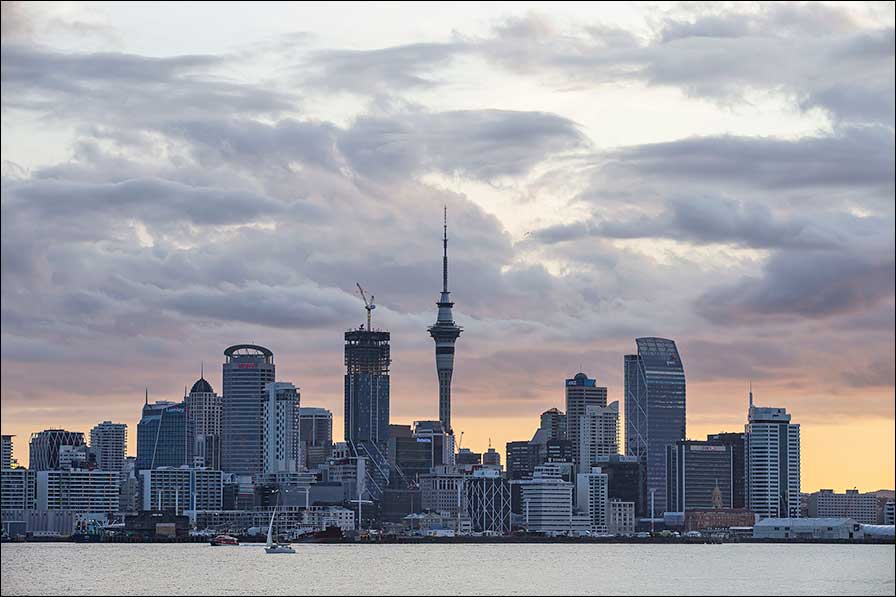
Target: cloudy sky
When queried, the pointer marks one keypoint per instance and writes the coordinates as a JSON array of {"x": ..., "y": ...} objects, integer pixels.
[{"x": 178, "y": 178}]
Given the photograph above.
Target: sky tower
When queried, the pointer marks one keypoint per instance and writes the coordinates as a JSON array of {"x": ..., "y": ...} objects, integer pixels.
[{"x": 445, "y": 332}]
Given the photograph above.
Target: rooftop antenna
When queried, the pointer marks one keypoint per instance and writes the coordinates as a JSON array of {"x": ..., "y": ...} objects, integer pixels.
[
  {"x": 201, "y": 369},
  {"x": 146, "y": 398},
  {"x": 445, "y": 249},
  {"x": 751, "y": 394},
  {"x": 367, "y": 304}
]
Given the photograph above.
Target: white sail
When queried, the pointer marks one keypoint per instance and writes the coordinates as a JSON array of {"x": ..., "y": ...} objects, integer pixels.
[{"x": 271, "y": 528}]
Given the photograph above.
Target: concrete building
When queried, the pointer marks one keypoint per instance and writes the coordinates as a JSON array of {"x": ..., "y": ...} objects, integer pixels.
[
  {"x": 827, "y": 504},
  {"x": 45, "y": 445},
  {"x": 620, "y": 517},
  {"x": 180, "y": 489},
  {"x": 367, "y": 360},
  {"x": 445, "y": 333},
  {"x": 17, "y": 489},
  {"x": 772, "y": 445},
  {"x": 315, "y": 436},
  {"x": 591, "y": 499},
  {"x": 77, "y": 490},
  {"x": 6, "y": 457},
  {"x": 281, "y": 428},
  {"x": 548, "y": 502},
  {"x": 205, "y": 410},
  {"x": 655, "y": 409},
  {"x": 553, "y": 421},
  {"x": 626, "y": 480},
  {"x": 247, "y": 369},
  {"x": 75, "y": 457},
  {"x": 598, "y": 435},
  {"x": 699, "y": 474},
  {"x": 487, "y": 501},
  {"x": 107, "y": 443},
  {"x": 889, "y": 513},
  {"x": 807, "y": 528},
  {"x": 320, "y": 518},
  {"x": 491, "y": 458},
  {"x": 442, "y": 491},
  {"x": 581, "y": 392},
  {"x": 165, "y": 435},
  {"x": 467, "y": 458}
]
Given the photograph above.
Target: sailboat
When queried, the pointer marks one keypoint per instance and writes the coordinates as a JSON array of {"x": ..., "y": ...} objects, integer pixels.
[{"x": 270, "y": 546}]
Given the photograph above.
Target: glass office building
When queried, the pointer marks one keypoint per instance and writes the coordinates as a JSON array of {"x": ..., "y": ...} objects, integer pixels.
[{"x": 247, "y": 370}]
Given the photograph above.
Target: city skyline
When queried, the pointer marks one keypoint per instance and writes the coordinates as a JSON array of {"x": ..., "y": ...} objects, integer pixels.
[{"x": 228, "y": 192}]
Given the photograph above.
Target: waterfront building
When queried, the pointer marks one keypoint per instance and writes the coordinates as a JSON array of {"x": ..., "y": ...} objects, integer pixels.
[
  {"x": 320, "y": 518},
  {"x": 164, "y": 435},
  {"x": 17, "y": 489},
  {"x": 860, "y": 507},
  {"x": 548, "y": 501},
  {"x": 717, "y": 519},
  {"x": 205, "y": 410},
  {"x": 77, "y": 490},
  {"x": 626, "y": 480},
  {"x": 889, "y": 512},
  {"x": 553, "y": 421},
  {"x": 315, "y": 436},
  {"x": 620, "y": 517},
  {"x": 180, "y": 489},
  {"x": 247, "y": 370},
  {"x": 6, "y": 457},
  {"x": 445, "y": 333},
  {"x": 655, "y": 400},
  {"x": 807, "y": 528},
  {"x": 598, "y": 435},
  {"x": 442, "y": 491},
  {"x": 591, "y": 499},
  {"x": 367, "y": 363},
  {"x": 44, "y": 447},
  {"x": 772, "y": 445},
  {"x": 735, "y": 443},
  {"x": 281, "y": 428},
  {"x": 487, "y": 501},
  {"x": 581, "y": 392},
  {"x": 699, "y": 474},
  {"x": 107, "y": 443}
]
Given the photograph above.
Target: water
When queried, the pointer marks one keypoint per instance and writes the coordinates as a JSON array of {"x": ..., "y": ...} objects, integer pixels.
[{"x": 522, "y": 569}]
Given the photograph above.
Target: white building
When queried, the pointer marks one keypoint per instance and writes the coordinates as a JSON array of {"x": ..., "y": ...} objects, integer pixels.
[
  {"x": 321, "y": 517},
  {"x": 772, "y": 449},
  {"x": 827, "y": 504},
  {"x": 591, "y": 499},
  {"x": 107, "y": 444},
  {"x": 281, "y": 427},
  {"x": 620, "y": 517},
  {"x": 547, "y": 502},
  {"x": 78, "y": 490},
  {"x": 807, "y": 528},
  {"x": 205, "y": 409},
  {"x": 181, "y": 489},
  {"x": 598, "y": 435},
  {"x": 17, "y": 489}
]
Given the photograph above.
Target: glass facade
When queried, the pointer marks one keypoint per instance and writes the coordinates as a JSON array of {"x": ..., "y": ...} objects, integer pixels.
[
  {"x": 247, "y": 370},
  {"x": 164, "y": 436},
  {"x": 654, "y": 409}
]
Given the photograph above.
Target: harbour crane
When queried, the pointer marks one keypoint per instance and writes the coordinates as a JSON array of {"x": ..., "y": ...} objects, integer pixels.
[{"x": 367, "y": 304}]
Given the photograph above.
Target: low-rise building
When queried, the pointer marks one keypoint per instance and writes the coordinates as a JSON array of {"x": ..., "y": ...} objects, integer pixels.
[
  {"x": 179, "y": 489},
  {"x": 77, "y": 490},
  {"x": 620, "y": 517},
  {"x": 718, "y": 519},
  {"x": 860, "y": 507},
  {"x": 17, "y": 489},
  {"x": 889, "y": 512},
  {"x": 442, "y": 491},
  {"x": 807, "y": 528},
  {"x": 547, "y": 501},
  {"x": 319, "y": 518}
]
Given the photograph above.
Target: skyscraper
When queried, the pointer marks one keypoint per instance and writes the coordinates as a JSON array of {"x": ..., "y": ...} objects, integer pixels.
[
  {"x": 164, "y": 436},
  {"x": 45, "y": 446},
  {"x": 107, "y": 443},
  {"x": 367, "y": 362},
  {"x": 581, "y": 392},
  {"x": 445, "y": 332},
  {"x": 553, "y": 421},
  {"x": 316, "y": 435},
  {"x": 735, "y": 443},
  {"x": 654, "y": 409},
  {"x": 598, "y": 435},
  {"x": 247, "y": 370},
  {"x": 772, "y": 445},
  {"x": 698, "y": 472},
  {"x": 6, "y": 458},
  {"x": 281, "y": 428},
  {"x": 204, "y": 409}
]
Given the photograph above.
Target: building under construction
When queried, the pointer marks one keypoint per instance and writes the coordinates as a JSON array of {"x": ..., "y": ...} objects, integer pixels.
[{"x": 367, "y": 362}]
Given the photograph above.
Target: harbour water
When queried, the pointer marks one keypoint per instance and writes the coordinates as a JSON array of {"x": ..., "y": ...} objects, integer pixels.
[{"x": 491, "y": 569}]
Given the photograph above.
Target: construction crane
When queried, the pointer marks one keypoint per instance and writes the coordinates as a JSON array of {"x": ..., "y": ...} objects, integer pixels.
[
  {"x": 367, "y": 304},
  {"x": 460, "y": 441}
]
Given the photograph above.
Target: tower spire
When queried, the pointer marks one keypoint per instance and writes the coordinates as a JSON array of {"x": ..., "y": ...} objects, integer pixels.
[
  {"x": 751, "y": 394},
  {"x": 445, "y": 249},
  {"x": 146, "y": 397},
  {"x": 201, "y": 369}
]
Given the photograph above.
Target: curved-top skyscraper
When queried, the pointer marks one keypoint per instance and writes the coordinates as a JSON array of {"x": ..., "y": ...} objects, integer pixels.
[{"x": 445, "y": 332}]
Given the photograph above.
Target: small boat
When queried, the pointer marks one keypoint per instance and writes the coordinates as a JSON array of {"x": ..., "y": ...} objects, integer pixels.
[
  {"x": 223, "y": 540},
  {"x": 270, "y": 546}
]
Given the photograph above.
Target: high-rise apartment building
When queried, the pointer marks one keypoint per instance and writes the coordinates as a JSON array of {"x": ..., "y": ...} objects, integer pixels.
[
  {"x": 205, "y": 409},
  {"x": 164, "y": 436},
  {"x": 107, "y": 443},
  {"x": 654, "y": 409},
  {"x": 598, "y": 435},
  {"x": 772, "y": 445},
  {"x": 581, "y": 392},
  {"x": 281, "y": 428},
  {"x": 247, "y": 369},
  {"x": 591, "y": 498},
  {"x": 45, "y": 446}
]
